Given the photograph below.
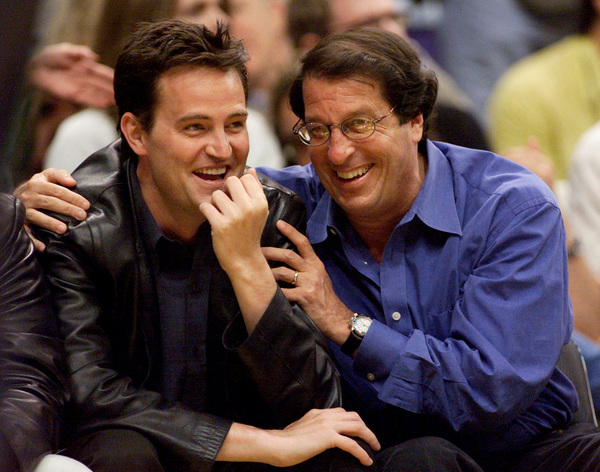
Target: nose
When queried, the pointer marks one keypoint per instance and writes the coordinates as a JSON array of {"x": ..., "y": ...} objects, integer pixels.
[
  {"x": 339, "y": 146},
  {"x": 219, "y": 146}
]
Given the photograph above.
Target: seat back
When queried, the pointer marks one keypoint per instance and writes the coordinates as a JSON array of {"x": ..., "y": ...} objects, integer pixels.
[{"x": 572, "y": 364}]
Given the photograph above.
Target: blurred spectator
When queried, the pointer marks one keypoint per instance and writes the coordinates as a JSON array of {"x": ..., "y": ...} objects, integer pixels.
[
  {"x": 553, "y": 95},
  {"x": 584, "y": 285},
  {"x": 40, "y": 110},
  {"x": 584, "y": 196},
  {"x": 479, "y": 39},
  {"x": 16, "y": 24},
  {"x": 294, "y": 151},
  {"x": 308, "y": 21},
  {"x": 262, "y": 25},
  {"x": 66, "y": 77}
]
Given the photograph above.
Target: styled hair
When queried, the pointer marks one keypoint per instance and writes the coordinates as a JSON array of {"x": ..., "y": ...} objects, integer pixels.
[
  {"x": 156, "y": 48},
  {"x": 377, "y": 55}
]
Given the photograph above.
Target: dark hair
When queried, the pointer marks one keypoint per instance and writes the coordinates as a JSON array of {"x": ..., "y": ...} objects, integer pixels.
[
  {"x": 587, "y": 16},
  {"x": 155, "y": 48},
  {"x": 377, "y": 55},
  {"x": 307, "y": 16}
]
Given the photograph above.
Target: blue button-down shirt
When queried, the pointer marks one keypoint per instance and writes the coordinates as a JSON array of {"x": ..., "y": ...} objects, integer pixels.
[{"x": 470, "y": 300}]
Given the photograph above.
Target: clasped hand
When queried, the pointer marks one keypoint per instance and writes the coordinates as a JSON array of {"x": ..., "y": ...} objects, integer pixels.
[
  {"x": 313, "y": 289},
  {"x": 237, "y": 215}
]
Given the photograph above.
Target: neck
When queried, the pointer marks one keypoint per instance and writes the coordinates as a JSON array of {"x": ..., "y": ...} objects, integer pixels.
[
  {"x": 375, "y": 235},
  {"x": 174, "y": 225},
  {"x": 177, "y": 224},
  {"x": 376, "y": 230}
]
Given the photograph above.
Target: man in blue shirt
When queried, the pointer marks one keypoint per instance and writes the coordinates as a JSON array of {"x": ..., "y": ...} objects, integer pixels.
[{"x": 438, "y": 273}]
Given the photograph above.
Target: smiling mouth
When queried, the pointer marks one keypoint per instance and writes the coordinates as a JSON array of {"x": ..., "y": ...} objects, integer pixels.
[
  {"x": 354, "y": 174},
  {"x": 212, "y": 173}
]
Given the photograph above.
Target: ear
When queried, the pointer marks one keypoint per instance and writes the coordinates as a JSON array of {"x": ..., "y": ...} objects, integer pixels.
[
  {"x": 416, "y": 127},
  {"x": 134, "y": 133}
]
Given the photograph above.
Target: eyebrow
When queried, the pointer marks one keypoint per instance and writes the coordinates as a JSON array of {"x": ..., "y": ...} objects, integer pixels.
[
  {"x": 362, "y": 113},
  {"x": 199, "y": 116}
]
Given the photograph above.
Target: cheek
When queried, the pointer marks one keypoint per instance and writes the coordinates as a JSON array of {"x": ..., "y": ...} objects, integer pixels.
[
  {"x": 316, "y": 154},
  {"x": 239, "y": 149}
]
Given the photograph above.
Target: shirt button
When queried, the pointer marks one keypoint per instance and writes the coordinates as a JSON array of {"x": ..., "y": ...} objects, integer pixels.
[
  {"x": 370, "y": 377},
  {"x": 396, "y": 316}
]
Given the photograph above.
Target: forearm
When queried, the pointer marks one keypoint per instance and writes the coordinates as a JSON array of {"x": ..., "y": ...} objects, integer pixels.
[
  {"x": 245, "y": 443},
  {"x": 488, "y": 354},
  {"x": 254, "y": 288},
  {"x": 289, "y": 360}
]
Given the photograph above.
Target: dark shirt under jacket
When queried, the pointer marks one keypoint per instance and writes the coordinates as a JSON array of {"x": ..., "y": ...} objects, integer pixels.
[{"x": 182, "y": 276}]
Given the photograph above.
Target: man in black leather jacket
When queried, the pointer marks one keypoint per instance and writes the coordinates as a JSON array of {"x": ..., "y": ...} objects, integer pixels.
[
  {"x": 32, "y": 388},
  {"x": 181, "y": 348}
]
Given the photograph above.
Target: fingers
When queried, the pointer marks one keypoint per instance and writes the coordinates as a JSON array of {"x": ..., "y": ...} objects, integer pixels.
[
  {"x": 62, "y": 54},
  {"x": 34, "y": 217},
  {"x": 297, "y": 238},
  {"x": 37, "y": 244},
  {"x": 59, "y": 176},
  {"x": 350, "y": 424},
  {"x": 47, "y": 191},
  {"x": 72, "y": 73},
  {"x": 352, "y": 447},
  {"x": 241, "y": 196},
  {"x": 341, "y": 428},
  {"x": 57, "y": 199},
  {"x": 286, "y": 257},
  {"x": 95, "y": 86}
]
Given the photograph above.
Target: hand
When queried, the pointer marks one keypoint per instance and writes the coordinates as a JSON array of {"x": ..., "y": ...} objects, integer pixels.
[
  {"x": 313, "y": 289},
  {"x": 314, "y": 433},
  {"x": 319, "y": 430},
  {"x": 237, "y": 217},
  {"x": 72, "y": 73},
  {"x": 47, "y": 191}
]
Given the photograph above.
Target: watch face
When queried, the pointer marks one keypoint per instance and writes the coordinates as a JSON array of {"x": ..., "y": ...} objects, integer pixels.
[{"x": 361, "y": 325}]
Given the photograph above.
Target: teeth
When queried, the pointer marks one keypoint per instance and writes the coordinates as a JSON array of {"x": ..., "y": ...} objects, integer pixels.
[
  {"x": 354, "y": 173},
  {"x": 211, "y": 171}
]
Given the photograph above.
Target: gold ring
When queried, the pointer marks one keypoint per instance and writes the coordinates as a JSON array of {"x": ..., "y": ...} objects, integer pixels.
[{"x": 295, "y": 278}]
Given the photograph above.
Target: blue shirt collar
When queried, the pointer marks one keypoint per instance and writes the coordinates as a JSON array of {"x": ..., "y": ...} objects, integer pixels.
[{"x": 434, "y": 206}]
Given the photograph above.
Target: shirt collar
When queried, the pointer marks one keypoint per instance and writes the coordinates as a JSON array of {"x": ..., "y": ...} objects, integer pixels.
[{"x": 435, "y": 205}]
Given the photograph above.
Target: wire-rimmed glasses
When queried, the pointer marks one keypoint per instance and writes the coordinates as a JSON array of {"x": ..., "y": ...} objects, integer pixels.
[{"x": 355, "y": 128}]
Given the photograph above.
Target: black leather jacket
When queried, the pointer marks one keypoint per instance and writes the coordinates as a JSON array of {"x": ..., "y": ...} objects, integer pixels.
[
  {"x": 32, "y": 383},
  {"x": 105, "y": 297}
]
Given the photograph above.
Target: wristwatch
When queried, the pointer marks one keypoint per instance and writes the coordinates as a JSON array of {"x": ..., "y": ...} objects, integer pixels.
[{"x": 359, "y": 325}]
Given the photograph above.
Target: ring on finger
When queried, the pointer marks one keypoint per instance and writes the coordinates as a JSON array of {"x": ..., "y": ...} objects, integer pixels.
[{"x": 295, "y": 278}]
